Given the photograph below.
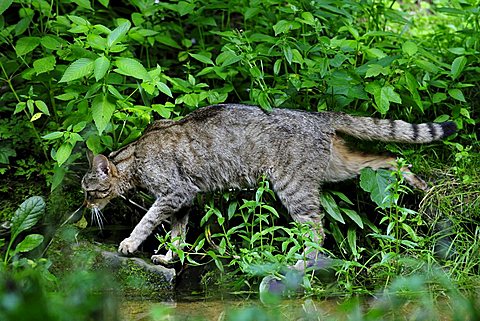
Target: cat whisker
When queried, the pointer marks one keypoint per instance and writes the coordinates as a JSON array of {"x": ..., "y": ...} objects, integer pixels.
[{"x": 97, "y": 217}]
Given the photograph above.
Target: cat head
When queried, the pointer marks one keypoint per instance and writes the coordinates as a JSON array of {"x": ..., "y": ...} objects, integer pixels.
[{"x": 99, "y": 183}]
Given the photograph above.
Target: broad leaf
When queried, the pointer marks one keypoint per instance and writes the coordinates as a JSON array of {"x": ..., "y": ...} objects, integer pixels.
[
  {"x": 4, "y": 4},
  {"x": 118, "y": 33},
  {"x": 26, "y": 44},
  {"x": 457, "y": 66},
  {"x": 376, "y": 182},
  {"x": 29, "y": 243},
  {"x": 202, "y": 58},
  {"x": 79, "y": 68},
  {"x": 27, "y": 215},
  {"x": 131, "y": 67},
  {"x": 100, "y": 67},
  {"x": 410, "y": 48},
  {"x": 457, "y": 94},
  {"x": 44, "y": 64},
  {"x": 102, "y": 111},
  {"x": 63, "y": 153}
]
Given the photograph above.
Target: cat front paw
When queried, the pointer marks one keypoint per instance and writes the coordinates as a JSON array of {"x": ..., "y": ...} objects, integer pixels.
[
  {"x": 128, "y": 246},
  {"x": 163, "y": 259}
]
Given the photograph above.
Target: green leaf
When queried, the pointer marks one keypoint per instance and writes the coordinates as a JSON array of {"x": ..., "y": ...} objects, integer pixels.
[
  {"x": 164, "y": 89},
  {"x": 352, "y": 240},
  {"x": 63, "y": 153},
  {"x": 79, "y": 68},
  {"x": 331, "y": 207},
  {"x": 456, "y": 94},
  {"x": 97, "y": 42},
  {"x": 53, "y": 135},
  {"x": 375, "y": 183},
  {"x": 439, "y": 97},
  {"x": 102, "y": 111},
  {"x": 410, "y": 48},
  {"x": 84, "y": 4},
  {"x": 227, "y": 58},
  {"x": 383, "y": 96},
  {"x": 353, "y": 216},
  {"x": 51, "y": 42},
  {"x": 94, "y": 144},
  {"x": 27, "y": 215},
  {"x": 44, "y": 64},
  {"x": 29, "y": 243},
  {"x": 284, "y": 26},
  {"x": 202, "y": 58},
  {"x": 4, "y": 4},
  {"x": 42, "y": 107},
  {"x": 131, "y": 67},
  {"x": 26, "y": 44},
  {"x": 100, "y": 67},
  {"x": 58, "y": 175},
  {"x": 412, "y": 86},
  {"x": 118, "y": 33},
  {"x": 375, "y": 70},
  {"x": 427, "y": 66},
  {"x": 457, "y": 66}
]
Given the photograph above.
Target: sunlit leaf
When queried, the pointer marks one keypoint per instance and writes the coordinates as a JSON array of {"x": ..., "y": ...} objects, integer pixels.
[{"x": 79, "y": 68}]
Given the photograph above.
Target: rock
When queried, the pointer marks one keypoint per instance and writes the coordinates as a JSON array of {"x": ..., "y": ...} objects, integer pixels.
[
  {"x": 140, "y": 276},
  {"x": 136, "y": 277}
]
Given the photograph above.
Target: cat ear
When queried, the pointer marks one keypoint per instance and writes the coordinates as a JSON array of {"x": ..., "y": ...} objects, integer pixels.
[
  {"x": 90, "y": 157},
  {"x": 102, "y": 166}
]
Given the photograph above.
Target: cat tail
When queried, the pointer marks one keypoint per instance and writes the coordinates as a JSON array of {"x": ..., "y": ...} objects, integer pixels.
[{"x": 391, "y": 130}]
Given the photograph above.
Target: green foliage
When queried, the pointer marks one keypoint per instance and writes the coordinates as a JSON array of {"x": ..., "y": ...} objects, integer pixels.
[
  {"x": 88, "y": 73},
  {"x": 26, "y": 216}
]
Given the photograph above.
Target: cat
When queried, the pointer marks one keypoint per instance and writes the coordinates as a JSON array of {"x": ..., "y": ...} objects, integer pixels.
[{"x": 230, "y": 146}]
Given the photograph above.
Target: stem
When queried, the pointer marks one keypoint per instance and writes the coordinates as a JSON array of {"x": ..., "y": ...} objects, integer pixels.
[{"x": 37, "y": 135}]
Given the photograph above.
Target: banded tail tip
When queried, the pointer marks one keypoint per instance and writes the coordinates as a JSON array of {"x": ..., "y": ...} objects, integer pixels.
[{"x": 449, "y": 128}]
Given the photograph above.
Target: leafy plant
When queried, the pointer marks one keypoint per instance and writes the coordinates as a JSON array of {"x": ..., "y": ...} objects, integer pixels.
[{"x": 26, "y": 216}]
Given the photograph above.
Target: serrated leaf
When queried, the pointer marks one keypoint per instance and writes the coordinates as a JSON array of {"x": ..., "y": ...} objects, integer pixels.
[
  {"x": 29, "y": 243},
  {"x": 79, "y": 68},
  {"x": 131, "y": 67},
  {"x": 27, "y": 215},
  {"x": 118, "y": 33},
  {"x": 100, "y": 67},
  {"x": 44, "y": 64},
  {"x": 25, "y": 45},
  {"x": 457, "y": 66},
  {"x": 102, "y": 111}
]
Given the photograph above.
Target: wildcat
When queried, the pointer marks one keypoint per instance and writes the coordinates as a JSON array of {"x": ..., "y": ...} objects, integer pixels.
[{"x": 230, "y": 146}]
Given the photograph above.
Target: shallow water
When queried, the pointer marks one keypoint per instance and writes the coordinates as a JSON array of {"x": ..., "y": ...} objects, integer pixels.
[{"x": 138, "y": 310}]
